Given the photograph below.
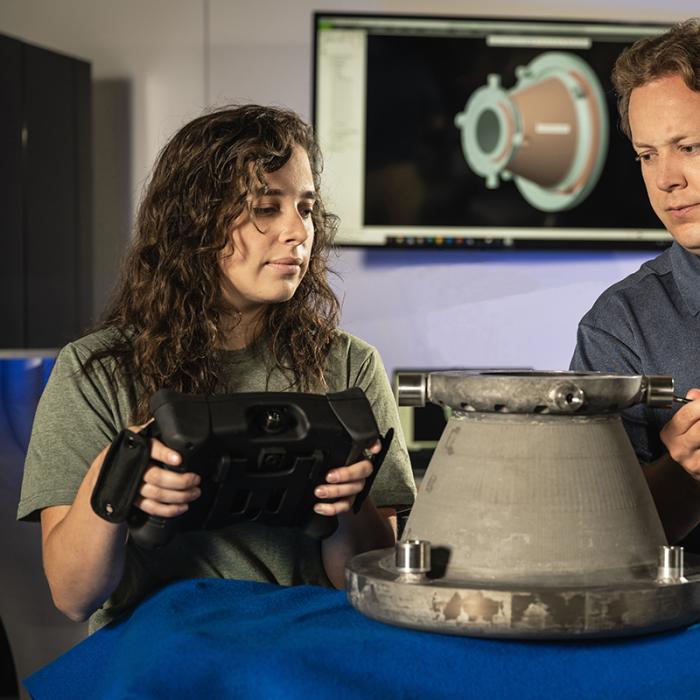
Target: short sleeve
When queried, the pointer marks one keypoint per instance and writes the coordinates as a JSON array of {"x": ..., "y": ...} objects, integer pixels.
[
  {"x": 598, "y": 350},
  {"x": 79, "y": 414},
  {"x": 394, "y": 484}
]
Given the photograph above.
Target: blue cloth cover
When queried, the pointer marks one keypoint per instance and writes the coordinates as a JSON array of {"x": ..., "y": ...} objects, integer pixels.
[{"x": 211, "y": 638}]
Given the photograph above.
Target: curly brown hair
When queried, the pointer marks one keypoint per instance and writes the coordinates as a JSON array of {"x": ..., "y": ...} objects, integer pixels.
[
  {"x": 168, "y": 306},
  {"x": 675, "y": 52}
]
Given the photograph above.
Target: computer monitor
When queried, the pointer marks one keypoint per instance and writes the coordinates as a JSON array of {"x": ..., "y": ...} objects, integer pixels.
[{"x": 455, "y": 131}]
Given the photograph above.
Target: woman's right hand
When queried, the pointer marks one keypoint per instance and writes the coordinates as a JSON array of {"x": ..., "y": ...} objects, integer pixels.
[
  {"x": 83, "y": 554},
  {"x": 165, "y": 493}
]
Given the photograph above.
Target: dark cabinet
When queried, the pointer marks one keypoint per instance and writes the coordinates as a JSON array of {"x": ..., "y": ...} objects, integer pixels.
[{"x": 45, "y": 196}]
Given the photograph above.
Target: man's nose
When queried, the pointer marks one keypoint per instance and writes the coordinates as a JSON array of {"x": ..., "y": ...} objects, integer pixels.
[{"x": 669, "y": 174}]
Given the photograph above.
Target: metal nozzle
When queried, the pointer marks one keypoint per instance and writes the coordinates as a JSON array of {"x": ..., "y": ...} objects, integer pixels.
[{"x": 568, "y": 397}]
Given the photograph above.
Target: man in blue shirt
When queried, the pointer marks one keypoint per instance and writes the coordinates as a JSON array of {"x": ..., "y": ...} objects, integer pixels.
[{"x": 649, "y": 323}]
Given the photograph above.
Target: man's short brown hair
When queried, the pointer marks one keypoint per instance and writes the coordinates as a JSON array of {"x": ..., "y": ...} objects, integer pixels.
[{"x": 675, "y": 52}]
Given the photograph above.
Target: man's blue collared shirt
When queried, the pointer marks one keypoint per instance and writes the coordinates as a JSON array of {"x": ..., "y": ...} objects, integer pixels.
[{"x": 649, "y": 323}]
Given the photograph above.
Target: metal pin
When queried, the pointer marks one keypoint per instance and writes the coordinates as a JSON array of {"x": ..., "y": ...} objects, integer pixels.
[{"x": 681, "y": 399}]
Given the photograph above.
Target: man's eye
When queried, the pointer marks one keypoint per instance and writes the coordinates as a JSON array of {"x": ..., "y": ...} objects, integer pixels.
[
  {"x": 690, "y": 148},
  {"x": 644, "y": 157}
]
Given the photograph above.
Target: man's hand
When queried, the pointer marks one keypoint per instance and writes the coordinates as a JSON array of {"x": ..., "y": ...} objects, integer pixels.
[
  {"x": 681, "y": 435},
  {"x": 344, "y": 483}
]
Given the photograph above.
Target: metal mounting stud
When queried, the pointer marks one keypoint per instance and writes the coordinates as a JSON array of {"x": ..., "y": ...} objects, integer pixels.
[{"x": 413, "y": 559}]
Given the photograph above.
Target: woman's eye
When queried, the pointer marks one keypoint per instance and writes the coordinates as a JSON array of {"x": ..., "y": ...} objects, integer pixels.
[
  {"x": 264, "y": 211},
  {"x": 306, "y": 212}
]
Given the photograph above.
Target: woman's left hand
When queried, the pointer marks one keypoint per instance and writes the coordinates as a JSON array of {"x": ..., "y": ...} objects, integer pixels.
[{"x": 343, "y": 484}]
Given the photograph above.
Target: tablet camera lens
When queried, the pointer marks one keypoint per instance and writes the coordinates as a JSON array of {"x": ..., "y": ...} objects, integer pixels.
[{"x": 273, "y": 421}]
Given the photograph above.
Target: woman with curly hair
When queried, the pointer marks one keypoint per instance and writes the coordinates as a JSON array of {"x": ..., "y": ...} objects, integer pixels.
[{"x": 223, "y": 290}]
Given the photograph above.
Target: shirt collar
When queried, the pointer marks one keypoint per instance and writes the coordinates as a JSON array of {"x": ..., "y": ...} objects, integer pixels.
[{"x": 686, "y": 273}]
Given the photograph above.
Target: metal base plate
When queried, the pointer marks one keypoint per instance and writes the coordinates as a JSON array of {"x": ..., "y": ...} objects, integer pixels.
[{"x": 485, "y": 609}]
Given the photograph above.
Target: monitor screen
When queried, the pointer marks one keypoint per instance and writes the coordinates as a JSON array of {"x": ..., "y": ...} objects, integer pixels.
[{"x": 458, "y": 132}]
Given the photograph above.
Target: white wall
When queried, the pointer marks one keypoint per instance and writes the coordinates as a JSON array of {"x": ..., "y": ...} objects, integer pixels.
[{"x": 420, "y": 308}]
